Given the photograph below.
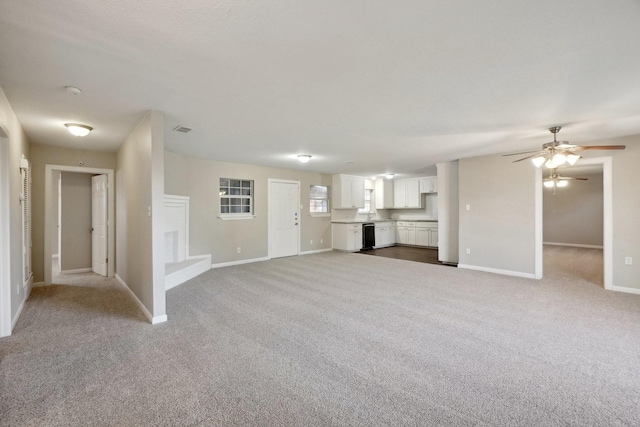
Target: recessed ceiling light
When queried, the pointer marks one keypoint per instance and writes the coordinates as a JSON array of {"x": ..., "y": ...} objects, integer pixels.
[
  {"x": 78, "y": 130},
  {"x": 304, "y": 158}
]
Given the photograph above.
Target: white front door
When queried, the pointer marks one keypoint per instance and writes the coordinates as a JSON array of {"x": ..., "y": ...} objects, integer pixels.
[
  {"x": 99, "y": 224},
  {"x": 284, "y": 218}
]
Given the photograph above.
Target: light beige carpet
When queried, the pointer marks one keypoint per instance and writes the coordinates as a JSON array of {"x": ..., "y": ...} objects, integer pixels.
[{"x": 329, "y": 339}]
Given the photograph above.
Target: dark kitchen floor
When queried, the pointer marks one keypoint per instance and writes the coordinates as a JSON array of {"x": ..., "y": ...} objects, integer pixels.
[{"x": 410, "y": 253}]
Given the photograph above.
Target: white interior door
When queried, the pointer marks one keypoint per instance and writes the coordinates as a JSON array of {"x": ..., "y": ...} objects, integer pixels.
[
  {"x": 99, "y": 224},
  {"x": 284, "y": 218}
]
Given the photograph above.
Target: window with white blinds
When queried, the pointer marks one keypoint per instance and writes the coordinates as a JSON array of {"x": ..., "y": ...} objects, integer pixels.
[
  {"x": 319, "y": 199},
  {"x": 25, "y": 170}
]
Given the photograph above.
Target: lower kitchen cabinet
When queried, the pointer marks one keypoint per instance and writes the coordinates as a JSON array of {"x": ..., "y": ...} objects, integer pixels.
[
  {"x": 427, "y": 234},
  {"x": 406, "y": 233},
  {"x": 347, "y": 237},
  {"x": 385, "y": 234},
  {"x": 417, "y": 233}
]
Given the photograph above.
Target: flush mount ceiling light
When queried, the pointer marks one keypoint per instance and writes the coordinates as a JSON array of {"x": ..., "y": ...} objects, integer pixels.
[
  {"x": 73, "y": 90},
  {"x": 389, "y": 176},
  {"x": 78, "y": 129},
  {"x": 304, "y": 158}
]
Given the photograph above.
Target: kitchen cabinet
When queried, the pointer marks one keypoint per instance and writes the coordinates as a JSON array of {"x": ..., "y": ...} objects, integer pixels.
[
  {"x": 429, "y": 184},
  {"x": 406, "y": 193},
  {"x": 417, "y": 233},
  {"x": 348, "y": 191},
  {"x": 385, "y": 234},
  {"x": 384, "y": 194},
  {"x": 347, "y": 237},
  {"x": 406, "y": 233},
  {"x": 427, "y": 234}
]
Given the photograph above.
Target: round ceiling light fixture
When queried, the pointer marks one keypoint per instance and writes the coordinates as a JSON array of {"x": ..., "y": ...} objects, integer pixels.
[
  {"x": 78, "y": 129},
  {"x": 389, "y": 176},
  {"x": 304, "y": 158}
]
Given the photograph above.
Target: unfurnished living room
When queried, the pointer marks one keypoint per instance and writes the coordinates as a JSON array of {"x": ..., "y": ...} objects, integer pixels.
[{"x": 222, "y": 213}]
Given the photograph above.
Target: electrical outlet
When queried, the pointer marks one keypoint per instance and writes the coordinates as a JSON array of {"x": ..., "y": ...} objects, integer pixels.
[
  {"x": 628, "y": 260},
  {"x": 468, "y": 251},
  {"x": 311, "y": 242},
  {"x": 468, "y": 207},
  {"x": 18, "y": 288},
  {"x": 321, "y": 241},
  {"x": 238, "y": 250}
]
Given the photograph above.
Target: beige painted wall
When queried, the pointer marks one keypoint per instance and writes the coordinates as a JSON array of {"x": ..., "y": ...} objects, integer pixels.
[
  {"x": 139, "y": 198},
  {"x": 499, "y": 227},
  {"x": 574, "y": 214},
  {"x": 18, "y": 145},
  {"x": 76, "y": 221},
  {"x": 501, "y": 221},
  {"x": 43, "y": 155},
  {"x": 626, "y": 210},
  {"x": 211, "y": 235}
]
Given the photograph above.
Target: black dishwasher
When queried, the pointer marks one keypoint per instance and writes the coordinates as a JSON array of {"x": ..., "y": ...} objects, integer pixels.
[{"x": 368, "y": 236}]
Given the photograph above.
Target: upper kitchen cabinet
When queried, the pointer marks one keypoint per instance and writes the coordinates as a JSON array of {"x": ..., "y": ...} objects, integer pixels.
[
  {"x": 348, "y": 192},
  {"x": 384, "y": 194},
  {"x": 429, "y": 185},
  {"x": 406, "y": 193}
]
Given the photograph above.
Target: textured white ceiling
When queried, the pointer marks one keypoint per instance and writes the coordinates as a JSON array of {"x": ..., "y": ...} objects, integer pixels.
[{"x": 365, "y": 87}]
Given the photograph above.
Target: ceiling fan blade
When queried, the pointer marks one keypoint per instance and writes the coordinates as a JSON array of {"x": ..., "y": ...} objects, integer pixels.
[
  {"x": 572, "y": 178},
  {"x": 600, "y": 147},
  {"x": 524, "y": 158},
  {"x": 517, "y": 154}
]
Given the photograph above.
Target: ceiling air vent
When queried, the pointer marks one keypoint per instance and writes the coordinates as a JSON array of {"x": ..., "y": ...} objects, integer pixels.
[{"x": 182, "y": 129}]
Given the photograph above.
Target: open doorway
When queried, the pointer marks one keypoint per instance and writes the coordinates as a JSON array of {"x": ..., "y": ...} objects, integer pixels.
[
  {"x": 573, "y": 224},
  {"x": 81, "y": 236},
  {"x": 80, "y": 243},
  {"x": 603, "y": 164}
]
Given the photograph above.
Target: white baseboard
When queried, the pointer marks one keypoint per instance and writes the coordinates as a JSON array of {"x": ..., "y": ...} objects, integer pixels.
[
  {"x": 77, "y": 270},
  {"x": 498, "y": 271},
  {"x": 152, "y": 320},
  {"x": 243, "y": 261},
  {"x": 27, "y": 289},
  {"x": 573, "y": 245},
  {"x": 179, "y": 277},
  {"x": 315, "y": 251},
  {"x": 626, "y": 290}
]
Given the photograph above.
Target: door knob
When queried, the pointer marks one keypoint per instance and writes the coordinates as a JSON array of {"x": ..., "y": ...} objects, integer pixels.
[{"x": 91, "y": 229}]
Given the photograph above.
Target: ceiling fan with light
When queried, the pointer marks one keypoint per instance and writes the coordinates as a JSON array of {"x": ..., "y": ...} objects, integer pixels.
[
  {"x": 557, "y": 153},
  {"x": 554, "y": 180}
]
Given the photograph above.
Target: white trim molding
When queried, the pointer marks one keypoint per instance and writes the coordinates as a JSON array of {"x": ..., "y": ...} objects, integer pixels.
[
  {"x": 573, "y": 245},
  {"x": 49, "y": 214},
  {"x": 240, "y": 262},
  {"x": 498, "y": 271},
  {"x": 152, "y": 320},
  {"x": 316, "y": 251},
  {"x": 626, "y": 290},
  {"x": 27, "y": 288},
  {"x": 77, "y": 270}
]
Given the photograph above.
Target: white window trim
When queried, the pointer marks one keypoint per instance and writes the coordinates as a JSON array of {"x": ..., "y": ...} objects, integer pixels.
[
  {"x": 239, "y": 215},
  {"x": 319, "y": 214},
  {"x": 234, "y": 216}
]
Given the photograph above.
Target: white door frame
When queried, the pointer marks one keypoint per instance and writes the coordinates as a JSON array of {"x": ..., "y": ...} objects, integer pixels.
[
  {"x": 607, "y": 194},
  {"x": 49, "y": 214},
  {"x": 284, "y": 181},
  {"x": 5, "y": 247}
]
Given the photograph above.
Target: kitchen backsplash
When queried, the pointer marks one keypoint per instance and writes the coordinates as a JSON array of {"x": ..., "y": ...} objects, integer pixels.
[{"x": 429, "y": 212}]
